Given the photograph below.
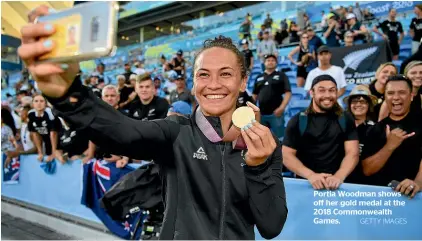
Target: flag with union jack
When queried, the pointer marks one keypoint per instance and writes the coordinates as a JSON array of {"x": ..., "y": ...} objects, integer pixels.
[
  {"x": 11, "y": 172},
  {"x": 98, "y": 177}
]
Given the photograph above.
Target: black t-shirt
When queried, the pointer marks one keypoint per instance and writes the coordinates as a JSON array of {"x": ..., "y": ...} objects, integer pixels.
[
  {"x": 405, "y": 160},
  {"x": 331, "y": 40},
  {"x": 156, "y": 109},
  {"x": 357, "y": 175},
  {"x": 248, "y": 55},
  {"x": 416, "y": 25},
  {"x": 71, "y": 141},
  {"x": 178, "y": 63},
  {"x": 391, "y": 29},
  {"x": 127, "y": 76},
  {"x": 43, "y": 125},
  {"x": 269, "y": 89},
  {"x": 243, "y": 98},
  {"x": 416, "y": 105},
  {"x": 321, "y": 148},
  {"x": 124, "y": 94},
  {"x": 380, "y": 98},
  {"x": 356, "y": 27}
]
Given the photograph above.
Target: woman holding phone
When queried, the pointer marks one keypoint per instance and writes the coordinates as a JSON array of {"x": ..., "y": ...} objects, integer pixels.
[{"x": 211, "y": 190}]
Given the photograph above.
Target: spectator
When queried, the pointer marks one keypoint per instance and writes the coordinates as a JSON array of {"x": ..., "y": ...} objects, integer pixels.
[
  {"x": 26, "y": 146},
  {"x": 415, "y": 56},
  {"x": 307, "y": 21},
  {"x": 314, "y": 40},
  {"x": 101, "y": 75},
  {"x": 8, "y": 133},
  {"x": 261, "y": 33},
  {"x": 268, "y": 90},
  {"x": 165, "y": 64},
  {"x": 179, "y": 63},
  {"x": 321, "y": 144},
  {"x": 147, "y": 106},
  {"x": 350, "y": 9},
  {"x": 360, "y": 104},
  {"x": 128, "y": 72},
  {"x": 325, "y": 68},
  {"x": 43, "y": 127},
  {"x": 266, "y": 47},
  {"x": 330, "y": 32},
  {"x": 394, "y": 139},
  {"x": 415, "y": 29},
  {"x": 180, "y": 108},
  {"x": 15, "y": 116},
  {"x": 349, "y": 39},
  {"x": 248, "y": 55},
  {"x": 377, "y": 87},
  {"x": 359, "y": 30},
  {"x": 125, "y": 90},
  {"x": 181, "y": 93},
  {"x": 323, "y": 19},
  {"x": 293, "y": 32},
  {"x": 245, "y": 29},
  {"x": 94, "y": 82},
  {"x": 413, "y": 72},
  {"x": 358, "y": 12},
  {"x": 391, "y": 28},
  {"x": 305, "y": 58},
  {"x": 158, "y": 90},
  {"x": 368, "y": 16},
  {"x": 268, "y": 22},
  {"x": 282, "y": 34},
  {"x": 111, "y": 95}
]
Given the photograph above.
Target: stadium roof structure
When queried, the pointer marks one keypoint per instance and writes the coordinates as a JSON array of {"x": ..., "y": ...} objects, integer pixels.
[
  {"x": 159, "y": 20},
  {"x": 14, "y": 14}
]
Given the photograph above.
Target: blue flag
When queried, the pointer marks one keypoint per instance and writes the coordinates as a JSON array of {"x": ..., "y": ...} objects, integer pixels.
[
  {"x": 11, "y": 171},
  {"x": 98, "y": 177}
]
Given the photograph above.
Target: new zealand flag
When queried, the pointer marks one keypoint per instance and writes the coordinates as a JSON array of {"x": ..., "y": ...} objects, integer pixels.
[
  {"x": 11, "y": 172},
  {"x": 99, "y": 176}
]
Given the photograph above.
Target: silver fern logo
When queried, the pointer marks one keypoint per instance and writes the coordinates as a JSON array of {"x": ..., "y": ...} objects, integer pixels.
[{"x": 354, "y": 59}]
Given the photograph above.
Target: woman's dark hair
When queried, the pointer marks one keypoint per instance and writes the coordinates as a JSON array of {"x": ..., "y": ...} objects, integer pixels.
[
  {"x": 7, "y": 119},
  {"x": 225, "y": 43},
  {"x": 369, "y": 114}
]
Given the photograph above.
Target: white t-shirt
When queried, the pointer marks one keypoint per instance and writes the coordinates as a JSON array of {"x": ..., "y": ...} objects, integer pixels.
[
  {"x": 334, "y": 71},
  {"x": 140, "y": 71},
  {"x": 26, "y": 137}
]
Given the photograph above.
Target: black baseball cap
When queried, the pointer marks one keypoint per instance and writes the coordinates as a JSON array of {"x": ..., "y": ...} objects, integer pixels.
[
  {"x": 270, "y": 56},
  {"x": 324, "y": 77},
  {"x": 180, "y": 77},
  {"x": 323, "y": 48},
  {"x": 180, "y": 52}
]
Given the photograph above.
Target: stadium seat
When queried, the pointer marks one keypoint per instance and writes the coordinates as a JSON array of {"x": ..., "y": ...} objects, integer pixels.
[
  {"x": 298, "y": 93},
  {"x": 298, "y": 106}
]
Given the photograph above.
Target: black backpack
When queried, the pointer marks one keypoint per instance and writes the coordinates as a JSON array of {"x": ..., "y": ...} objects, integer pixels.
[{"x": 303, "y": 122}]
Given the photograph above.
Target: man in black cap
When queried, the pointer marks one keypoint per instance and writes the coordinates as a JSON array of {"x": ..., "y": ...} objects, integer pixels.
[
  {"x": 326, "y": 68},
  {"x": 268, "y": 90},
  {"x": 181, "y": 92},
  {"x": 321, "y": 144},
  {"x": 179, "y": 63}
]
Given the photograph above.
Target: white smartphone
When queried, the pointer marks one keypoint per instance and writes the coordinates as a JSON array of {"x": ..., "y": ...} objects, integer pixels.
[{"x": 86, "y": 31}]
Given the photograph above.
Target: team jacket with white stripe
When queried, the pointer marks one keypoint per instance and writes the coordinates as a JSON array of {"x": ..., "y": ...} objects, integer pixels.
[{"x": 209, "y": 192}]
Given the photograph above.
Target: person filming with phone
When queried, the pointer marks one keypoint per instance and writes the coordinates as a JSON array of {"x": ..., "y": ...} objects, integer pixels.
[{"x": 212, "y": 189}]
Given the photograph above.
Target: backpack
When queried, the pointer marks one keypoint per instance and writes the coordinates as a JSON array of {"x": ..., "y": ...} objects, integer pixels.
[{"x": 303, "y": 122}]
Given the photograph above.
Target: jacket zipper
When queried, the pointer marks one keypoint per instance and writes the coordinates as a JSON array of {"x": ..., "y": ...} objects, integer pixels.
[{"x": 223, "y": 199}]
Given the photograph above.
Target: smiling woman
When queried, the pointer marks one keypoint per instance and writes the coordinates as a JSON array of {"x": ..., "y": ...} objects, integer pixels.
[{"x": 221, "y": 195}]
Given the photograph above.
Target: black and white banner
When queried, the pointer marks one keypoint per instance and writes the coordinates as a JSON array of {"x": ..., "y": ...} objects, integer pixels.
[{"x": 360, "y": 62}]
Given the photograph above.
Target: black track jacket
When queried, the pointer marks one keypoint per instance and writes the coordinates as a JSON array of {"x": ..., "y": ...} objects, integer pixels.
[{"x": 209, "y": 191}]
